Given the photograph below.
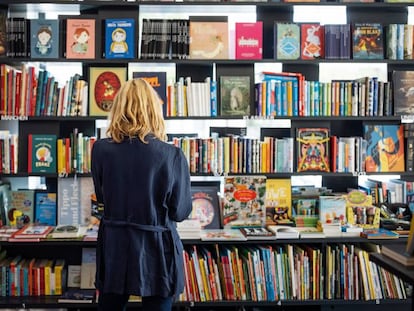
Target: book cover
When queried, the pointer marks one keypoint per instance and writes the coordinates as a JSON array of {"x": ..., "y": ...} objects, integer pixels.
[
  {"x": 88, "y": 268},
  {"x": 120, "y": 38},
  {"x": 206, "y": 206},
  {"x": 261, "y": 233},
  {"x": 287, "y": 40},
  {"x": 234, "y": 95},
  {"x": 33, "y": 231},
  {"x": 403, "y": 92},
  {"x": 312, "y": 149},
  {"x": 312, "y": 44},
  {"x": 45, "y": 207},
  {"x": 278, "y": 201},
  {"x": 158, "y": 80},
  {"x": 76, "y": 295},
  {"x": 209, "y": 38},
  {"x": 68, "y": 231},
  {"x": 44, "y": 38},
  {"x": 379, "y": 233},
  {"x": 42, "y": 153},
  {"x": 284, "y": 232},
  {"x": 68, "y": 212},
  {"x": 367, "y": 41},
  {"x": 225, "y": 234},
  {"x": 104, "y": 85},
  {"x": 21, "y": 207},
  {"x": 332, "y": 210},
  {"x": 249, "y": 40},
  {"x": 244, "y": 201},
  {"x": 80, "y": 38},
  {"x": 385, "y": 148},
  {"x": 3, "y": 32}
]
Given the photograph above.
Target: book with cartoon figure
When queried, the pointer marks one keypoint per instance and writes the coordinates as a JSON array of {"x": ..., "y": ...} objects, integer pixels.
[
  {"x": 44, "y": 42},
  {"x": 313, "y": 149},
  {"x": 120, "y": 38}
]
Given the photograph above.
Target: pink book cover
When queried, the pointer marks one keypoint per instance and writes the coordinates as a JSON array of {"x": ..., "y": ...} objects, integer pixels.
[
  {"x": 312, "y": 41},
  {"x": 80, "y": 38},
  {"x": 249, "y": 40}
]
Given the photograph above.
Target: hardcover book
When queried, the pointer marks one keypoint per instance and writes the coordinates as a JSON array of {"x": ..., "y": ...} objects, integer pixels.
[
  {"x": 30, "y": 231},
  {"x": 261, "y": 233},
  {"x": 234, "y": 95},
  {"x": 312, "y": 41},
  {"x": 403, "y": 92},
  {"x": 206, "y": 206},
  {"x": 385, "y": 149},
  {"x": 158, "y": 80},
  {"x": 397, "y": 251},
  {"x": 45, "y": 207},
  {"x": 44, "y": 42},
  {"x": 209, "y": 38},
  {"x": 80, "y": 38},
  {"x": 120, "y": 38},
  {"x": 249, "y": 40},
  {"x": 278, "y": 201},
  {"x": 367, "y": 41},
  {"x": 104, "y": 84},
  {"x": 287, "y": 40},
  {"x": 313, "y": 149},
  {"x": 225, "y": 234},
  {"x": 244, "y": 201},
  {"x": 332, "y": 210},
  {"x": 21, "y": 208},
  {"x": 41, "y": 153}
]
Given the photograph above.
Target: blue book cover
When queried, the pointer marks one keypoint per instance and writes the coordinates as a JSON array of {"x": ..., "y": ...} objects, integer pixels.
[
  {"x": 45, "y": 207},
  {"x": 44, "y": 35},
  {"x": 120, "y": 38}
]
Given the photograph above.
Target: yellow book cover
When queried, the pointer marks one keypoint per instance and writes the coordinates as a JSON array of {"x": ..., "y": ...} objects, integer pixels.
[
  {"x": 59, "y": 276},
  {"x": 47, "y": 272},
  {"x": 61, "y": 156},
  {"x": 278, "y": 201}
]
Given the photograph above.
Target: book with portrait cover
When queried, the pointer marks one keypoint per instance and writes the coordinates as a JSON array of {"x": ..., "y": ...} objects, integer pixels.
[
  {"x": 209, "y": 38},
  {"x": 206, "y": 206},
  {"x": 104, "y": 84},
  {"x": 367, "y": 41},
  {"x": 80, "y": 38},
  {"x": 244, "y": 201},
  {"x": 287, "y": 40},
  {"x": 120, "y": 38},
  {"x": 313, "y": 149},
  {"x": 41, "y": 153},
  {"x": 403, "y": 92},
  {"x": 249, "y": 40},
  {"x": 278, "y": 201},
  {"x": 385, "y": 148},
  {"x": 312, "y": 44},
  {"x": 234, "y": 95},
  {"x": 44, "y": 38},
  {"x": 158, "y": 80}
]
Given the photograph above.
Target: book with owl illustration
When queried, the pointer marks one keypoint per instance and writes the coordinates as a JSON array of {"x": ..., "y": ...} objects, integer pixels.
[
  {"x": 120, "y": 38},
  {"x": 41, "y": 153},
  {"x": 313, "y": 149},
  {"x": 104, "y": 84}
]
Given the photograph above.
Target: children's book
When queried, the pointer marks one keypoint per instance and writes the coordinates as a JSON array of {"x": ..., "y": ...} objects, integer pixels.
[
  {"x": 385, "y": 150},
  {"x": 45, "y": 207},
  {"x": 3, "y": 32},
  {"x": 367, "y": 41},
  {"x": 313, "y": 149},
  {"x": 44, "y": 42},
  {"x": 379, "y": 233},
  {"x": 120, "y": 38},
  {"x": 244, "y": 201},
  {"x": 287, "y": 40},
  {"x": 80, "y": 38},
  {"x": 261, "y": 233},
  {"x": 42, "y": 153},
  {"x": 33, "y": 231},
  {"x": 332, "y": 210},
  {"x": 21, "y": 208},
  {"x": 249, "y": 40},
  {"x": 235, "y": 95},
  {"x": 206, "y": 206},
  {"x": 284, "y": 232},
  {"x": 278, "y": 201},
  {"x": 225, "y": 234},
  {"x": 312, "y": 41}
]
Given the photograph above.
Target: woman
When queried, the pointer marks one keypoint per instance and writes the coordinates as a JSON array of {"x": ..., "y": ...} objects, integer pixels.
[{"x": 144, "y": 185}]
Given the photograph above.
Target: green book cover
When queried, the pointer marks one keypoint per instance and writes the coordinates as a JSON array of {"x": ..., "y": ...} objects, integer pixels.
[{"x": 42, "y": 153}]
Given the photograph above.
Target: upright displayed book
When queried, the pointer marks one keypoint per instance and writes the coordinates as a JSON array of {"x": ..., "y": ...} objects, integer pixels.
[
  {"x": 234, "y": 95},
  {"x": 206, "y": 206},
  {"x": 385, "y": 151},
  {"x": 278, "y": 201},
  {"x": 41, "y": 153},
  {"x": 21, "y": 208},
  {"x": 332, "y": 210},
  {"x": 367, "y": 41},
  {"x": 209, "y": 38},
  {"x": 120, "y": 38},
  {"x": 286, "y": 40},
  {"x": 104, "y": 83},
  {"x": 249, "y": 40},
  {"x": 403, "y": 92},
  {"x": 88, "y": 268},
  {"x": 158, "y": 80},
  {"x": 45, "y": 207},
  {"x": 44, "y": 38},
  {"x": 244, "y": 201},
  {"x": 312, "y": 44},
  {"x": 313, "y": 149},
  {"x": 80, "y": 38}
]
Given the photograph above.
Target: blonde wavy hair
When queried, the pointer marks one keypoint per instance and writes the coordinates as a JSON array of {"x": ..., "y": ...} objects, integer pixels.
[{"x": 136, "y": 112}]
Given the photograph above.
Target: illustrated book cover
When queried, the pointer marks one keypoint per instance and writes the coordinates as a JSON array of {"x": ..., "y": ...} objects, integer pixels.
[
  {"x": 287, "y": 40},
  {"x": 42, "y": 153},
  {"x": 80, "y": 38},
  {"x": 262, "y": 233},
  {"x": 244, "y": 201},
  {"x": 403, "y": 92},
  {"x": 21, "y": 207},
  {"x": 385, "y": 150},
  {"x": 249, "y": 40},
  {"x": 278, "y": 201},
  {"x": 209, "y": 38},
  {"x": 120, "y": 38},
  {"x": 332, "y": 210},
  {"x": 104, "y": 83},
  {"x": 33, "y": 231},
  {"x": 206, "y": 206},
  {"x": 313, "y": 149},
  {"x": 367, "y": 41},
  {"x": 284, "y": 232},
  {"x": 45, "y": 207},
  {"x": 312, "y": 44},
  {"x": 234, "y": 95},
  {"x": 225, "y": 234},
  {"x": 379, "y": 233},
  {"x": 44, "y": 42},
  {"x": 3, "y": 32},
  {"x": 158, "y": 80}
]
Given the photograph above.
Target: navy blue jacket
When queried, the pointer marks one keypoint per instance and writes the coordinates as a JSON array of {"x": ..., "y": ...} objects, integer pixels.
[{"x": 145, "y": 189}]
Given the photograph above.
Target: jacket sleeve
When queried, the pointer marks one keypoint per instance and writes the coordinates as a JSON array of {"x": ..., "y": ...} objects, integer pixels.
[
  {"x": 96, "y": 173},
  {"x": 180, "y": 203}
]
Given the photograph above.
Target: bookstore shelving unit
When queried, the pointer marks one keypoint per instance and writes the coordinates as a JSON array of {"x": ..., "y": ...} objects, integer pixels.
[{"x": 198, "y": 70}]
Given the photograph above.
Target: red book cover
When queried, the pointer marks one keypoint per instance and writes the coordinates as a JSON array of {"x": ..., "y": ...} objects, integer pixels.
[
  {"x": 18, "y": 81},
  {"x": 334, "y": 153},
  {"x": 249, "y": 40},
  {"x": 312, "y": 41}
]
